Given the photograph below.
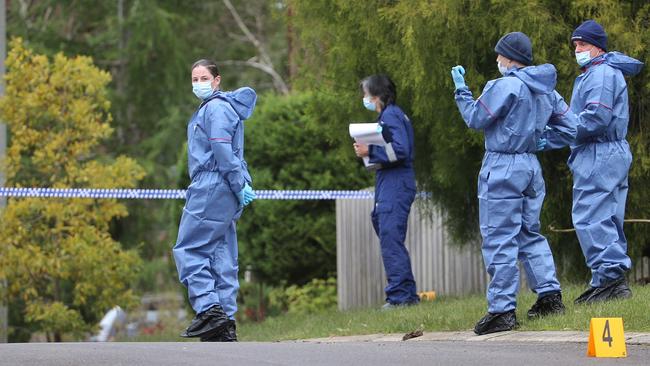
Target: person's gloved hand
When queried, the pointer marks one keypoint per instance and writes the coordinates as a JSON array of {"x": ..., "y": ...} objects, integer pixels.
[
  {"x": 249, "y": 195},
  {"x": 457, "y": 73},
  {"x": 541, "y": 143}
]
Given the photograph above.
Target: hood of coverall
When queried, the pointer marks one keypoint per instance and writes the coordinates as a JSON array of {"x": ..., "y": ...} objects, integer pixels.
[
  {"x": 242, "y": 101},
  {"x": 628, "y": 65},
  {"x": 539, "y": 79}
]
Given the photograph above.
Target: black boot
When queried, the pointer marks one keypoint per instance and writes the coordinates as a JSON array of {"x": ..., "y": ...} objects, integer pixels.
[
  {"x": 207, "y": 323},
  {"x": 228, "y": 334},
  {"x": 497, "y": 322},
  {"x": 612, "y": 290},
  {"x": 548, "y": 304},
  {"x": 621, "y": 291},
  {"x": 584, "y": 296}
]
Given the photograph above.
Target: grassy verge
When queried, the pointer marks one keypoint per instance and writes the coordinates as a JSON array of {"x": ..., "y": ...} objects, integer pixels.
[
  {"x": 442, "y": 314},
  {"x": 448, "y": 314}
]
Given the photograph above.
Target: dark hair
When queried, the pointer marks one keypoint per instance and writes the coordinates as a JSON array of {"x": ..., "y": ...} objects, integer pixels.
[
  {"x": 210, "y": 65},
  {"x": 380, "y": 86}
]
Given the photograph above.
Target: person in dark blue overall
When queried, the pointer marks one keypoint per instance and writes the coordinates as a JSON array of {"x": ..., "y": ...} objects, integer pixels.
[
  {"x": 206, "y": 249},
  {"x": 394, "y": 187}
]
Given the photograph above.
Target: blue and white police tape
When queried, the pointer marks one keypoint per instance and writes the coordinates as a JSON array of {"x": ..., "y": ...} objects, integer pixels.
[{"x": 151, "y": 194}]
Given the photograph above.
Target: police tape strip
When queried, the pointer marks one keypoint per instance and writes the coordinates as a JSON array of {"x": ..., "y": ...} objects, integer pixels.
[{"x": 162, "y": 194}]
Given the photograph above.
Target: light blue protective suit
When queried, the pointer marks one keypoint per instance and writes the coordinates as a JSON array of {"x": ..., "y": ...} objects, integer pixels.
[
  {"x": 206, "y": 248},
  {"x": 513, "y": 112},
  {"x": 600, "y": 160}
]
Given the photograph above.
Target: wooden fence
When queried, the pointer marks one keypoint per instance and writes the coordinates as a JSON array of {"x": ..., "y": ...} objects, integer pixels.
[{"x": 437, "y": 264}]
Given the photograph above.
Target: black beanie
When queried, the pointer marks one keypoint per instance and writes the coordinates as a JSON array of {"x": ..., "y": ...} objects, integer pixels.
[{"x": 516, "y": 46}]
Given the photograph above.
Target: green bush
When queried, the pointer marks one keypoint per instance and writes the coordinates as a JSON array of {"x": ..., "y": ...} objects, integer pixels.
[
  {"x": 297, "y": 142},
  {"x": 258, "y": 301},
  {"x": 316, "y": 296},
  {"x": 255, "y": 301}
]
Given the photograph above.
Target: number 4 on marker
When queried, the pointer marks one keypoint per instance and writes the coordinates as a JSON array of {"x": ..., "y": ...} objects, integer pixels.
[
  {"x": 612, "y": 342},
  {"x": 607, "y": 336}
]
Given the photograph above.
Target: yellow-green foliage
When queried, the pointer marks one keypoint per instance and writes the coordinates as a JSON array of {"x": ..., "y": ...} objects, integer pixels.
[
  {"x": 61, "y": 265},
  {"x": 316, "y": 296}
]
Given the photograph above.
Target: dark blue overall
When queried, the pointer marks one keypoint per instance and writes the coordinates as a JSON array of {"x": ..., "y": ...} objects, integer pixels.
[{"x": 394, "y": 194}]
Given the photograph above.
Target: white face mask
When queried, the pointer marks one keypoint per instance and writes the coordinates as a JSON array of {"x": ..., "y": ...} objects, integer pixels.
[
  {"x": 583, "y": 58},
  {"x": 502, "y": 69}
]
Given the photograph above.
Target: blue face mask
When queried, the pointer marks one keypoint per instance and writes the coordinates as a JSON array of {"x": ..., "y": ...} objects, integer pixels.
[
  {"x": 583, "y": 58},
  {"x": 202, "y": 89},
  {"x": 369, "y": 105}
]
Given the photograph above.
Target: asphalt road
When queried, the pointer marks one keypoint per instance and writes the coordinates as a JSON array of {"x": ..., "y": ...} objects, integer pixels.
[{"x": 290, "y": 353}]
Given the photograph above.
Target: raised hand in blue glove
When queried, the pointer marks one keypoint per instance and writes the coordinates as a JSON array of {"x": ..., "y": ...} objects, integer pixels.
[
  {"x": 457, "y": 73},
  {"x": 541, "y": 143},
  {"x": 249, "y": 195},
  {"x": 240, "y": 197}
]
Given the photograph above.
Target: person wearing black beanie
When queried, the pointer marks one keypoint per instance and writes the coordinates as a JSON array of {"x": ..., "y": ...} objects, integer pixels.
[
  {"x": 600, "y": 160},
  {"x": 513, "y": 111}
]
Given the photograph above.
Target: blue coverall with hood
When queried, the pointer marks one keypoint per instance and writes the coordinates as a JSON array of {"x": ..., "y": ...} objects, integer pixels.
[
  {"x": 394, "y": 194},
  {"x": 600, "y": 160},
  {"x": 206, "y": 248},
  {"x": 513, "y": 112}
]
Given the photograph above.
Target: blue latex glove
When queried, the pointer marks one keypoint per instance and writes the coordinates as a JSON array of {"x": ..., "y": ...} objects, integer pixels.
[
  {"x": 457, "y": 73},
  {"x": 541, "y": 143},
  {"x": 249, "y": 195}
]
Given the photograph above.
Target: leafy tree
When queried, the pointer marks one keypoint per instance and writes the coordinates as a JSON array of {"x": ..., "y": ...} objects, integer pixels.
[
  {"x": 62, "y": 267},
  {"x": 416, "y": 42},
  {"x": 148, "y": 47}
]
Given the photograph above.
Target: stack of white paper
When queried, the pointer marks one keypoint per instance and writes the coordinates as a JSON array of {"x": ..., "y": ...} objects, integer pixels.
[{"x": 368, "y": 134}]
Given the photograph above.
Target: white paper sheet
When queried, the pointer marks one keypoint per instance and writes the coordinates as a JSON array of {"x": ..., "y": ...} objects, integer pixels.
[{"x": 368, "y": 134}]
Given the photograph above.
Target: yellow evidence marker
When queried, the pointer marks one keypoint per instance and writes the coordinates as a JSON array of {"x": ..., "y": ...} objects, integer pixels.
[{"x": 606, "y": 338}]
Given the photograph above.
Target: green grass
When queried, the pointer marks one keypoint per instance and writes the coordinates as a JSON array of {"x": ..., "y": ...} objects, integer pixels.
[
  {"x": 442, "y": 314},
  {"x": 448, "y": 314}
]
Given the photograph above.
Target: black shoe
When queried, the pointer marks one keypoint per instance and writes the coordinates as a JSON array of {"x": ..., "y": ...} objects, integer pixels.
[
  {"x": 585, "y": 295},
  {"x": 228, "y": 334},
  {"x": 621, "y": 291},
  {"x": 546, "y": 305},
  {"x": 617, "y": 289},
  {"x": 497, "y": 322},
  {"x": 207, "y": 323}
]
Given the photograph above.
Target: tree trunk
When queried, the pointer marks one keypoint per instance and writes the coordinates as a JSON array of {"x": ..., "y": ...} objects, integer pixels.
[{"x": 292, "y": 47}]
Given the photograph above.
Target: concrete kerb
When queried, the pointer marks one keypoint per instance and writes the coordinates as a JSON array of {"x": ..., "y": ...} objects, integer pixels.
[
  {"x": 469, "y": 336},
  {"x": 637, "y": 338}
]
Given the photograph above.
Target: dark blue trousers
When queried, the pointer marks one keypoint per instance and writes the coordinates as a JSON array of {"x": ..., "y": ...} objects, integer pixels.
[{"x": 394, "y": 194}]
